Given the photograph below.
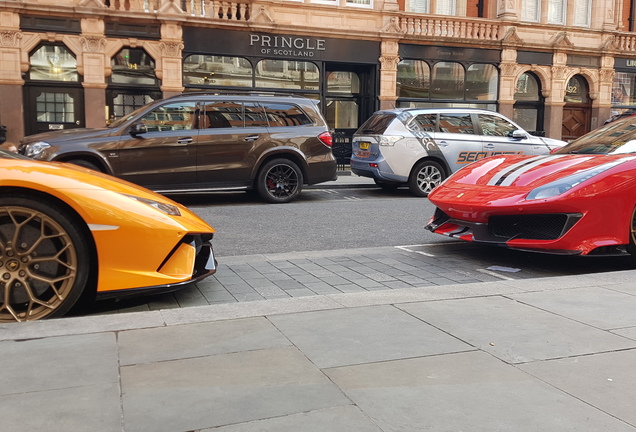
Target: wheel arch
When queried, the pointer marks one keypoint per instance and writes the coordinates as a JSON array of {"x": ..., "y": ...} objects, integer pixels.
[
  {"x": 77, "y": 219},
  {"x": 441, "y": 162},
  {"x": 94, "y": 158},
  {"x": 281, "y": 153}
]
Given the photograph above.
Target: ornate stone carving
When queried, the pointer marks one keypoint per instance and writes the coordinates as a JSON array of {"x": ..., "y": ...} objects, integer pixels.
[
  {"x": 509, "y": 69},
  {"x": 393, "y": 26},
  {"x": 562, "y": 40},
  {"x": 93, "y": 43},
  {"x": 10, "y": 38},
  {"x": 511, "y": 37},
  {"x": 607, "y": 75},
  {"x": 171, "y": 49},
  {"x": 559, "y": 72},
  {"x": 389, "y": 63},
  {"x": 262, "y": 15}
]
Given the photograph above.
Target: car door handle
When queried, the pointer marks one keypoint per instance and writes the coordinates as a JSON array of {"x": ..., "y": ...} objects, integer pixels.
[
  {"x": 489, "y": 146},
  {"x": 187, "y": 140},
  {"x": 251, "y": 138}
]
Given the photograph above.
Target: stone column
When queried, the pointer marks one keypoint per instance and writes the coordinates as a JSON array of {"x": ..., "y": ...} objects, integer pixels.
[
  {"x": 389, "y": 60},
  {"x": 11, "y": 82},
  {"x": 169, "y": 65},
  {"x": 92, "y": 67},
  {"x": 555, "y": 101},
  {"x": 508, "y": 81}
]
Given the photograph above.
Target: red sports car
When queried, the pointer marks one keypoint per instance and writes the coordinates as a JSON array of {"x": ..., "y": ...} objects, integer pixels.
[{"x": 580, "y": 200}]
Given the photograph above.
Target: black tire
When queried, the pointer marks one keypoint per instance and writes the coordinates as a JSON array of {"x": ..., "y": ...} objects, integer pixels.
[
  {"x": 85, "y": 164},
  {"x": 45, "y": 259},
  {"x": 424, "y": 177},
  {"x": 387, "y": 186},
  {"x": 279, "y": 181}
]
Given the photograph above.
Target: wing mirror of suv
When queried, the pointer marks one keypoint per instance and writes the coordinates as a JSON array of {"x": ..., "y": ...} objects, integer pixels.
[
  {"x": 138, "y": 129},
  {"x": 519, "y": 134}
]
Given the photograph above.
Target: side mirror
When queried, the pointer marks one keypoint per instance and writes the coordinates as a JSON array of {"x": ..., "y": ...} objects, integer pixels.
[
  {"x": 138, "y": 129},
  {"x": 519, "y": 134}
]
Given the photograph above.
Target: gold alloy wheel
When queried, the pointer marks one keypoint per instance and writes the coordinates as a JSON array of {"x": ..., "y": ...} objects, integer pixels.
[{"x": 38, "y": 264}]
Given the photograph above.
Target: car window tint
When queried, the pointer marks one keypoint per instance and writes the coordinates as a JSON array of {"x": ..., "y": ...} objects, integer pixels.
[
  {"x": 254, "y": 115},
  {"x": 222, "y": 114},
  {"x": 614, "y": 137},
  {"x": 495, "y": 126},
  {"x": 377, "y": 124},
  {"x": 282, "y": 114},
  {"x": 425, "y": 122},
  {"x": 169, "y": 117},
  {"x": 456, "y": 123}
]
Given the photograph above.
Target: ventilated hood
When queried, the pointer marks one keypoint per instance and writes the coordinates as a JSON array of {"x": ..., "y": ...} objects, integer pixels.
[{"x": 533, "y": 171}]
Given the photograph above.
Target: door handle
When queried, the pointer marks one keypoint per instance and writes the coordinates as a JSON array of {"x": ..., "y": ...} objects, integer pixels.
[
  {"x": 187, "y": 140},
  {"x": 489, "y": 146},
  {"x": 251, "y": 138}
]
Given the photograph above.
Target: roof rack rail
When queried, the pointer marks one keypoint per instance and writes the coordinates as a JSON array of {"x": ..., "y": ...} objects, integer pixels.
[{"x": 243, "y": 93}]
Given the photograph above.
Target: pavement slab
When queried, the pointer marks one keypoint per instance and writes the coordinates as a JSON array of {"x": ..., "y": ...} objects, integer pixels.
[
  {"x": 362, "y": 335},
  {"x": 605, "y": 381},
  {"x": 218, "y": 390},
  {"x": 469, "y": 391},
  {"x": 514, "y": 332}
]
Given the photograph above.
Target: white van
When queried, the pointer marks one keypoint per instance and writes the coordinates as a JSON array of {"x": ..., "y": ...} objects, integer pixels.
[{"x": 420, "y": 147}]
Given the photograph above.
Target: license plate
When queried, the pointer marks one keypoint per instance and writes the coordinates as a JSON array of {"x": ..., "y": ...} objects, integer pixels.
[
  {"x": 365, "y": 145},
  {"x": 363, "y": 154}
]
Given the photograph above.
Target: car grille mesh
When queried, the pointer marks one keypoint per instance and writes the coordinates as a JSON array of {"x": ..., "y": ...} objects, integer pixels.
[{"x": 529, "y": 227}]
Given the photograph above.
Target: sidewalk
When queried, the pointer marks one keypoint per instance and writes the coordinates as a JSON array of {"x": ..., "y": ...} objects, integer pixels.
[{"x": 552, "y": 354}]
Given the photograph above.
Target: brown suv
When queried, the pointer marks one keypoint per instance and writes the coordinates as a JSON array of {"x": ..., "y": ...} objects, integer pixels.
[{"x": 205, "y": 142}]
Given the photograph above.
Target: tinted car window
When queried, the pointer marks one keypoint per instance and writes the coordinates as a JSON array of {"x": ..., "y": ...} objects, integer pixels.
[
  {"x": 495, "y": 126},
  {"x": 222, "y": 114},
  {"x": 456, "y": 123},
  {"x": 254, "y": 115},
  {"x": 174, "y": 116},
  {"x": 280, "y": 114},
  {"x": 615, "y": 137},
  {"x": 376, "y": 124},
  {"x": 424, "y": 122}
]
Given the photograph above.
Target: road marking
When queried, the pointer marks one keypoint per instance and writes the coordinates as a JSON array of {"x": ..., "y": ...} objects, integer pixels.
[
  {"x": 353, "y": 198},
  {"x": 491, "y": 273},
  {"x": 406, "y": 248}
]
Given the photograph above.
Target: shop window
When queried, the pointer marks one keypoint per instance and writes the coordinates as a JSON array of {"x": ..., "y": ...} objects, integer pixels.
[
  {"x": 447, "y": 81},
  {"x": 53, "y": 63},
  {"x": 624, "y": 89},
  {"x": 413, "y": 79},
  {"x": 133, "y": 66},
  {"x": 209, "y": 70},
  {"x": 286, "y": 74},
  {"x": 343, "y": 83},
  {"x": 481, "y": 82},
  {"x": 342, "y": 114},
  {"x": 528, "y": 107},
  {"x": 55, "y": 108}
]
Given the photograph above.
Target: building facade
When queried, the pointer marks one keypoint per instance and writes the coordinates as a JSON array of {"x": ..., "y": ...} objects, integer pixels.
[{"x": 558, "y": 67}]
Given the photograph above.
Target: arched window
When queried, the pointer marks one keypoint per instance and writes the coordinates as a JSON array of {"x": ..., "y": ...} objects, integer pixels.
[
  {"x": 528, "y": 108},
  {"x": 448, "y": 81},
  {"x": 413, "y": 79},
  {"x": 133, "y": 66},
  {"x": 577, "y": 91},
  {"x": 53, "y": 63}
]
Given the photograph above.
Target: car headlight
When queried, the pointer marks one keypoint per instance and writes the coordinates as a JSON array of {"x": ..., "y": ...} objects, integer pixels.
[
  {"x": 166, "y": 208},
  {"x": 389, "y": 140},
  {"x": 563, "y": 185},
  {"x": 33, "y": 150}
]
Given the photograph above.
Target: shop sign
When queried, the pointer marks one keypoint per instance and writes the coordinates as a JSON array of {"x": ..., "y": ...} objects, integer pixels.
[{"x": 288, "y": 46}]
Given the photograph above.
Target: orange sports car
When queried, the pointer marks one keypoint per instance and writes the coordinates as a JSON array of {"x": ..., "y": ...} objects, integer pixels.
[{"x": 69, "y": 235}]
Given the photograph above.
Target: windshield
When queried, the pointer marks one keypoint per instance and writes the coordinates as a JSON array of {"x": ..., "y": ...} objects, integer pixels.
[{"x": 613, "y": 138}]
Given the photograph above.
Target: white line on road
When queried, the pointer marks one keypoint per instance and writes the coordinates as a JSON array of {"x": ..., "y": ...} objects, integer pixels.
[
  {"x": 491, "y": 273},
  {"x": 406, "y": 248}
]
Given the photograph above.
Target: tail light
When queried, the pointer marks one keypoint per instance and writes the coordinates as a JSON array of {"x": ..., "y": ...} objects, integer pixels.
[{"x": 326, "y": 139}]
